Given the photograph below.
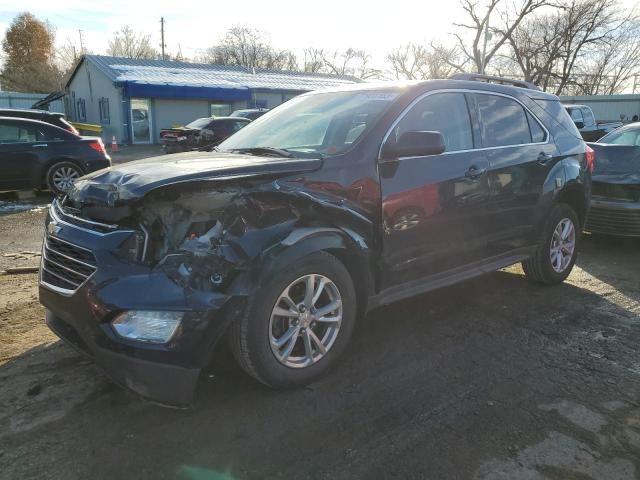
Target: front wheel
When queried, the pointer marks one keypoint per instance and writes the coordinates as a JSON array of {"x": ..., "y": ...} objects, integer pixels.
[
  {"x": 298, "y": 324},
  {"x": 555, "y": 256}
]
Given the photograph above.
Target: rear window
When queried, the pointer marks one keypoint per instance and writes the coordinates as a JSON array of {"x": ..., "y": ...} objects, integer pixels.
[
  {"x": 556, "y": 110},
  {"x": 199, "y": 123}
]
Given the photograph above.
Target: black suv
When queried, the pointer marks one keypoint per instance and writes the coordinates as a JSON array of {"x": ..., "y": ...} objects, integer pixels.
[{"x": 335, "y": 203}]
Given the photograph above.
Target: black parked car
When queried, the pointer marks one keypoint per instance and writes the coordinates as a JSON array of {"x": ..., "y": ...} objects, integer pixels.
[
  {"x": 201, "y": 133},
  {"x": 53, "y": 118},
  {"x": 615, "y": 205},
  {"x": 35, "y": 154},
  {"x": 291, "y": 229},
  {"x": 586, "y": 123},
  {"x": 250, "y": 113}
]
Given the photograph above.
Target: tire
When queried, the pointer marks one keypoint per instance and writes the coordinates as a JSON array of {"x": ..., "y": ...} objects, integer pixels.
[
  {"x": 540, "y": 268},
  {"x": 60, "y": 174},
  {"x": 252, "y": 335}
]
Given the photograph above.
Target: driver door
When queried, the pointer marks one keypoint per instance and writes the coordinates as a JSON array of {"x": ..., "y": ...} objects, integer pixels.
[{"x": 433, "y": 206}]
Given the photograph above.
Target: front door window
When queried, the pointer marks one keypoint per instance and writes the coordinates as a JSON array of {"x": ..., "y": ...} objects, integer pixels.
[{"x": 141, "y": 120}]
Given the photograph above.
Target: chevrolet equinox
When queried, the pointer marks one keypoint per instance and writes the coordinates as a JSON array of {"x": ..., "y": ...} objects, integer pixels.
[{"x": 328, "y": 206}]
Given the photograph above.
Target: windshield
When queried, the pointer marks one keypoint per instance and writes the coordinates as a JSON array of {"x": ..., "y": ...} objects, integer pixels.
[
  {"x": 199, "y": 123},
  {"x": 314, "y": 125},
  {"x": 622, "y": 136}
]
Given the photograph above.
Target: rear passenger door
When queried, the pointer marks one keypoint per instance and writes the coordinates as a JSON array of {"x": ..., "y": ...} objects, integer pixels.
[{"x": 520, "y": 159}]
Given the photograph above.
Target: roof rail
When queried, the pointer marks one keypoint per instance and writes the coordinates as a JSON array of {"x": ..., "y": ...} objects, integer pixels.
[{"x": 478, "y": 77}]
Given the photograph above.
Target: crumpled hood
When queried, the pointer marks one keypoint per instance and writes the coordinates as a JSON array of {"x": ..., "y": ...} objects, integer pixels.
[{"x": 135, "y": 179}]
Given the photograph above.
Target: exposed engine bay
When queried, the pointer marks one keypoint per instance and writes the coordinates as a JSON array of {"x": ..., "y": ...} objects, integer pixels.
[{"x": 200, "y": 238}]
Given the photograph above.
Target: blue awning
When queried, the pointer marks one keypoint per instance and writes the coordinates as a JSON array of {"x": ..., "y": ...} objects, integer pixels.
[{"x": 148, "y": 90}]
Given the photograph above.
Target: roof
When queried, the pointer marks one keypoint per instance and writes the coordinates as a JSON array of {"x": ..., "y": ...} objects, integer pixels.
[{"x": 170, "y": 73}]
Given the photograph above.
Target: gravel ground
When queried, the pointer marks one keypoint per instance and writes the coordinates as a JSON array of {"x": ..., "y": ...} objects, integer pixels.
[{"x": 495, "y": 378}]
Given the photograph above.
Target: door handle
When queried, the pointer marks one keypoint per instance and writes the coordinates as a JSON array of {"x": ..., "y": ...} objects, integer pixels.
[
  {"x": 40, "y": 145},
  {"x": 543, "y": 158},
  {"x": 474, "y": 172}
]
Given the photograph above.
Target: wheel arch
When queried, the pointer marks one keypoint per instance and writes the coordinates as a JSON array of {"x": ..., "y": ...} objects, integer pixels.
[
  {"x": 347, "y": 246},
  {"x": 575, "y": 195}
]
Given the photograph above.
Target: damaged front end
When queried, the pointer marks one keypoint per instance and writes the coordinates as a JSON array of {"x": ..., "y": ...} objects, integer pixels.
[{"x": 195, "y": 249}]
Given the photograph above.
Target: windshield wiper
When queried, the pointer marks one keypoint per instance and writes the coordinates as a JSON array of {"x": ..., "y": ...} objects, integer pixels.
[{"x": 280, "y": 152}]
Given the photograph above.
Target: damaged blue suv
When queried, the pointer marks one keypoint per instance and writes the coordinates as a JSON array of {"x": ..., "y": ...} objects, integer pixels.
[{"x": 328, "y": 206}]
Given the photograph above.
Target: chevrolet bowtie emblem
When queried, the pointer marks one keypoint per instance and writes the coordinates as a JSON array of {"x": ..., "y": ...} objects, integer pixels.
[{"x": 53, "y": 227}]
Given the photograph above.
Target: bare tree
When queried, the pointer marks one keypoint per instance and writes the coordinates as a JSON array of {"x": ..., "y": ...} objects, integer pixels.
[
  {"x": 248, "y": 47},
  {"x": 418, "y": 62},
  {"x": 126, "y": 43},
  {"x": 472, "y": 41},
  {"x": 312, "y": 60},
  {"x": 356, "y": 63}
]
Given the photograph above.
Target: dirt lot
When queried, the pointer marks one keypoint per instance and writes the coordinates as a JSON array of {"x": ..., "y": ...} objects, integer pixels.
[{"x": 492, "y": 379}]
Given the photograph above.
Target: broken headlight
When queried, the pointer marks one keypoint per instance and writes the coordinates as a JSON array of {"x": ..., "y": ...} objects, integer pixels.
[{"x": 147, "y": 326}]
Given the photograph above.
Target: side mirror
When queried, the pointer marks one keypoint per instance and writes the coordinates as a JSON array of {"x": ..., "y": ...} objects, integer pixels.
[
  {"x": 579, "y": 125},
  {"x": 414, "y": 144}
]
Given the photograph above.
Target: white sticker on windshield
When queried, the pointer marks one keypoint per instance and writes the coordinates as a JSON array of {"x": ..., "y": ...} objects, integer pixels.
[{"x": 384, "y": 96}]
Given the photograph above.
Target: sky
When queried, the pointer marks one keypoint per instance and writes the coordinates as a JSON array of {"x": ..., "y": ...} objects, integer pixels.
[
  {"x": 195, "y": 26},
  {"x": 375, "y": 27}
]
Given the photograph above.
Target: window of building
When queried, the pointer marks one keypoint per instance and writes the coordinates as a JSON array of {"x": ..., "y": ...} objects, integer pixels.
[
  {"x": 82, "y": 111},
  {"x": 446, "y": 113},
  {"x": 503, "y": 121},
  {"x": 220, "y": 109},
  {"x": 103, "y": 107},
  {"x": 260, "y": 104}
]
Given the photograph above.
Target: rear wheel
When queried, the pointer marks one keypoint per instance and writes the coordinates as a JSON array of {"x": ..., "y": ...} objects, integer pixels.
[
  {"x": 298, "y": 324},
  {"x": 61, "y": 175},
  {"x": 555, "y": 256}
]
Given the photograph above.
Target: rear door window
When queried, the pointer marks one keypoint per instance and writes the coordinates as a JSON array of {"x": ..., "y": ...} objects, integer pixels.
[
  {"x": 503, "y": 121},
  {"x": 446, "y": 113}
]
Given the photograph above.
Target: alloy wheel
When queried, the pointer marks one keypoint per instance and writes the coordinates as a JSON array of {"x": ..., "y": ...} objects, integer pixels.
[
  {"x": 63, "y": 178},
  {"x": 305, "y": 321},
  {"x": 563, "y": 245}
]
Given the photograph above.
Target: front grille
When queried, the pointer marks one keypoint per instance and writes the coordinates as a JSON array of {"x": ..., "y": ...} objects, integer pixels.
[
  {"x": 65, "y": 265},
  {"x": 614, "y": 221}
]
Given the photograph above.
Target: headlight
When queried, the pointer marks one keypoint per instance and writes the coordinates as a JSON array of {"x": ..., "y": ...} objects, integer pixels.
[{"x": 147, "y": 326}]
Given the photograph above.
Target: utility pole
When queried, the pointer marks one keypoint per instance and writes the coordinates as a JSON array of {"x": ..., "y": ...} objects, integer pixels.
[
  {"x": 81, "y": 42},
  {"x": 162, "y": 45}
]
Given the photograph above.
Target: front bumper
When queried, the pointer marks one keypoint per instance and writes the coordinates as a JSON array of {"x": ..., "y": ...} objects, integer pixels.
[
  {"x": 614, "y": 217},
  {"x": 166, "y": 384},
  {"x": 80, "y": 313}
]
